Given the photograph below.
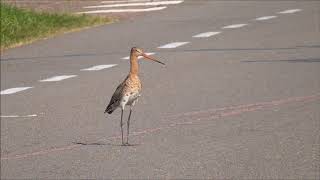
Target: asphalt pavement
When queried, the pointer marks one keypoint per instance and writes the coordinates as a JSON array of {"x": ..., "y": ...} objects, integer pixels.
[{"x": 239, "y": 97}]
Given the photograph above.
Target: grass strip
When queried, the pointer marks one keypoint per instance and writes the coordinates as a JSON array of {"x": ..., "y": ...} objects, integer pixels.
[{"x": 20, "y": 26}]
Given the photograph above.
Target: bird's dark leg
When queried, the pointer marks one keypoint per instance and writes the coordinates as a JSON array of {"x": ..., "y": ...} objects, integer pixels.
[
  {"x": 128, "y": 124},
  {"x": 121, "y": 124}
]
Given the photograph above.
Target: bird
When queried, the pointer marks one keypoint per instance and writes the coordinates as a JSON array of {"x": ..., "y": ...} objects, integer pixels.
[{"x": 128, "y": 92}]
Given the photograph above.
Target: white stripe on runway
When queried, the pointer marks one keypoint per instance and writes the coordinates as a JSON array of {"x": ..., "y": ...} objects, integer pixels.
[
  {"x": 16, "y": 116},
  {"x": 58, "y": 78},
  {"x": 265, "y": 18},
  {"x": 128, "y": 57},
  {"x": 173, "y": 45},
  {"x": 206, "y": 34},
  {"x": 123, "y": 10},
  {"x": 234, "y": 26},
  {"x": 14, "y": 90},
  {"x": 99, "y": 67},
  {"x": 289, "y": 11},
  {"x": 157, "y": 3}
]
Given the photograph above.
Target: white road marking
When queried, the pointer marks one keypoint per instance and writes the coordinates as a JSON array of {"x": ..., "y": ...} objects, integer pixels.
[
  {"x": 265, "y": 18},
  {"x": 289, "y": 11},
  {"x": 157, "y": 3},
  {"x": 123, "y": 10},
  {"x": 123, "y": 1},
  {"x": 234, "y": 26},
  {"x": 206, "y": 34},
  {"x": 99, "y": 67},
  {"x": 173, "y": 45},
  {"x": 17, "y": 116},
  {"x": 128, "y": 57},
  {"x": 58, "y": 78},
  {"x": 14, "y": 90}
]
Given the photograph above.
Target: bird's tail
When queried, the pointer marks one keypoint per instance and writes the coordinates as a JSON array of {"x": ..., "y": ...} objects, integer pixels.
[
  {"x": 109, "y": 112},
  {"x": 109, "y": 109}
]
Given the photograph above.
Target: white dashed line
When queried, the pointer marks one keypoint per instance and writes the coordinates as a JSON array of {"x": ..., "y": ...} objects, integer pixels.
[
  {"x": 234, "y": 26},
  {"x": 157, "y": 3},
  {"x": 14, "y": 90},
  {"x": 206, "y": 34},
  {"x": 289, "y": 11},
  {"x": 128, "y": 57},
  {"x": 123, "y": 10},
  {"x": 17, "y": 116},
  {"x": 99, "y": 67},
  {"x": 265, "y": 18},
  {"x": 58, "y": 78},
  {"x": 173, "y": 45}
]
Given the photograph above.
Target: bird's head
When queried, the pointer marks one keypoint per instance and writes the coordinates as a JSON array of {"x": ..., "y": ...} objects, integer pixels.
[{"x": 139, "y": 52}]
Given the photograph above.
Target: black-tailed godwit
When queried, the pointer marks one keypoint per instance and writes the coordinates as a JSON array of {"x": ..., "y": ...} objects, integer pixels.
[{"x": 128, "y": 92}]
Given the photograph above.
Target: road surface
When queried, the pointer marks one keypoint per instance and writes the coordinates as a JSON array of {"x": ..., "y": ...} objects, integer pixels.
[{"x": 239, "y": 98}]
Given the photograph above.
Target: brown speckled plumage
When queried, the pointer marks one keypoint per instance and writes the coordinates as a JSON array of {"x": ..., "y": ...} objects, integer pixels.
[
  {"x": 128, "y": 92},
  {"x": 129, "y": 87}
]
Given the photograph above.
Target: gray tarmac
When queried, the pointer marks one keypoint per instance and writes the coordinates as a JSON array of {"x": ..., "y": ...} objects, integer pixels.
[{"x": 243, "y": 104}]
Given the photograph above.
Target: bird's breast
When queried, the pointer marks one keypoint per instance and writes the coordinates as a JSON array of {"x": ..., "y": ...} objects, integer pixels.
[
  {"x": 132, "y": 90},
  {"x": 129, "y": 98},
  {"x": 133, "y": 84}
]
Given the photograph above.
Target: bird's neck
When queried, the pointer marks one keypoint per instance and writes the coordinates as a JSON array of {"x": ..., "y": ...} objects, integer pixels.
[{"x": 134, "y": 66}]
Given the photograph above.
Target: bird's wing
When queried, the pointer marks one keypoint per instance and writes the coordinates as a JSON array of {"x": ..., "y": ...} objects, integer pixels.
[{"x": 116, "y": 98}]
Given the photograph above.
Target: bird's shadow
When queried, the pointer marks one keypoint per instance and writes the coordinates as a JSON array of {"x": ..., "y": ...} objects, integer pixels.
[{"x": 103, "y": 144}]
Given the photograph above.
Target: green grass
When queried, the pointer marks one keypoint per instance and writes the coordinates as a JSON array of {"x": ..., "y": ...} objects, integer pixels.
[{"x": 19, "y": 26}]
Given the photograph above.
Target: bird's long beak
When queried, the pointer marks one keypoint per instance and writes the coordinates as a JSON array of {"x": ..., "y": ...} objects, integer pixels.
[{"x": 151, "y": 58}]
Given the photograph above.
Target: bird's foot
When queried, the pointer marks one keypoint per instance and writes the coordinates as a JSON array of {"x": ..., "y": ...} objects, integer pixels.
[{"x": 126, "y": 144}]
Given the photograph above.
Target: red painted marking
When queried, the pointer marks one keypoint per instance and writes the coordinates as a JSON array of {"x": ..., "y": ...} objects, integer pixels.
[
  {"x": 224, "y": 112},
  {"x": 19, "y": 156}
]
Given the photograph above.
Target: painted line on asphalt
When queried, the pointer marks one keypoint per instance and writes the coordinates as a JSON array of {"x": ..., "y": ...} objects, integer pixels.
[
  {"x": 123, "y": 10},
  {"x": 216, "y": 113},
  {"x": 124, "y": 1},
  {"x": 18, "y": 116},
  {"x": 173, "y": 45},
  {"x": 157, "y": 3},
  {"x": 263, "y": 18},
  {"x": 206, "y": 34},
  {"x": 58, "y": 78},
  {"x": 233, "y": 26},
  {"x": 289, "y": 11},
  {"x": 128, "y": 57},
  {"x": 99, "y": 67},
  {"x": 14, "y": 90},
  {"x": 230, "y": 111}
]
